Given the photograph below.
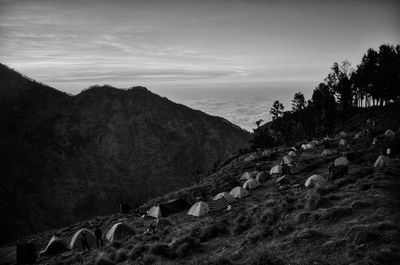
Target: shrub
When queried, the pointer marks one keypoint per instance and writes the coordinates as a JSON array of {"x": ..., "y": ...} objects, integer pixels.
[
  {"x": 242, "y": 223},
  {"x": 212, "y": 231},
  {"x": 335, "y": 213},
  {"x": 137, "y": 251},
  {"x": 185, "y": 245},
  {"x": 269, "y": 217},
  {"x": 121, "y": 255},
  {"x": 160, "y": 249}
]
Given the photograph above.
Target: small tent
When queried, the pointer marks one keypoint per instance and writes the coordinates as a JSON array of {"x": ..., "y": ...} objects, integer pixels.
[
  {"x": 160, "y": 224},
  {"x": 328, "y": 152},
  {"x": 250, "y": 157},
  {"x": 389, "y": 133},
  {"x": 199, "y": 209},
  {"x": 341, "y": 161},
  {"x": 246, "y": 176},
  {"x": 342, "y": 134},
  {"x": 218, "y": 205},
  {"x": 251, "y": 184},
  {"x": 55, "y": 246},
  {"x": 229, "y": 198},
  {"x": 76, "y": 242},
  {"x": 381, "y": 162},
  {"x": 119, "y": 231},
  {"x": 167, "y": 208},
  {"x": 262, "y": 176},
  {"x": 155, "y": 212},
  {"x": 276, "y": 170},
  {"x": 315, "y": 181},
  {"x": 266, "y": 153},
  {"x": 239, "y": 192},
  {"x": 357, "y": 135},
  {"x": 343, "y": 142},
  {"x": 287, "y": 160},
  {"x": 292, "y": 154}
]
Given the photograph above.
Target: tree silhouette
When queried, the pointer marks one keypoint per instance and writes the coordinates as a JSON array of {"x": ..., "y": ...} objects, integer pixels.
[
  {"x": 298, "y": 102},
  {"x": 276, "y": 110}
]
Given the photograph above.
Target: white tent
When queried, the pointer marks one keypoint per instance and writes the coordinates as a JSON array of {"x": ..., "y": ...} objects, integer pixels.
[
  {"x": 239, "y": 192},
  {"x": 251, "y": 184},
  {"x": 357, "y": 135},
  {"x": 389, "y": 133},
  {"x": 119, "y": 231},
  {"x": 315, "y": 181},
  {"x": 328, "y": 152},
  {"x": 381, "y": 162},
  {"x": 343, "y": 134},
  {"x": 250, "y": 157},
  {"x": 155, "y": 212},
  {"x": 246, "y": 176},
  {"x": 341, "y": 161},
  {"x": 287, "y": 160},
  {"x": 266, "y": 152},
  {"x": 76, "y": 242},
  {"x": 199, "y": 209},
  {"x": 343, "y": 142},
  {"x": 276, "y": 170},
  {"x": 292, "y": 154},
  {"x": 228, "y": 197}
]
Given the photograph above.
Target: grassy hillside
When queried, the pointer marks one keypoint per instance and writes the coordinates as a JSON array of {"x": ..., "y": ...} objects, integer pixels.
[{"x": 354, "y": 220}]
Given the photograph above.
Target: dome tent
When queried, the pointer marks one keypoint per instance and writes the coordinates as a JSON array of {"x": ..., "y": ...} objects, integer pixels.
[
  {"x": 276, "y": 170},
  {"x": 251, "y": 184},
  {"x": 228, "y": 197},
  {"x": 199, "y": 209},
  {"x": 76, "y": 242},
  {"x": 342, "y": 161},
  {"x": 381, "y": 162},
  {"x": 239, "y": 192},
  {"x": 246, "y": 176},
  {"x": 55, "y": 246},
  {"x": 389, "y": 133},
  {"x": 315, "y": 181},
  {"x": 119, "y": 231}
]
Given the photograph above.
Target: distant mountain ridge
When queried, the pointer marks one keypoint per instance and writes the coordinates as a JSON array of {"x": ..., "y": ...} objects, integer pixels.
[{"x": 67, "y": 158}]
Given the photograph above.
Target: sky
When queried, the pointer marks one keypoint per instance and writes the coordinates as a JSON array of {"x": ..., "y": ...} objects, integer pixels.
[{"x": 230, "y": 58}]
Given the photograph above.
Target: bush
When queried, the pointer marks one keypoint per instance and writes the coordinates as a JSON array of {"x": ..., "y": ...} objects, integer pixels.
[
  {"x": 137, "y": 251},
  {"x": 121, "y": 255},
  {"x": 337, "y": 212},
  {"x": 242, "y": 223},
  {"x": 162, "y": 250},
  {"x": 185, "y": 245},
  {"x": 212, "y": 231}
]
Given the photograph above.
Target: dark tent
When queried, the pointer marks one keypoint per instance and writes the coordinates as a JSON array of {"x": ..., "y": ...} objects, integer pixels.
[
  {"x": 55, "y": 246},
  {"x": 173, "y": 206}
]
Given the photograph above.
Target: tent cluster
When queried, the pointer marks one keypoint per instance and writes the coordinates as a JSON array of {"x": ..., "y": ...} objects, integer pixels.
[{"x": 56, "y": 245}]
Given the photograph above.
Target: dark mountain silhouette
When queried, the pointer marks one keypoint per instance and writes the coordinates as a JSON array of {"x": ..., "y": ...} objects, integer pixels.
[{"x": 66, "y": 158}]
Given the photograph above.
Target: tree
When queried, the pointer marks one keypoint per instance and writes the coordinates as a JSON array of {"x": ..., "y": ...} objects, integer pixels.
[
  {"x": 339, "y": 81},
  {"x": 298, "y": 102},
  {"x": 276, "y": 110},
  {"x": 324, "y": 104}
]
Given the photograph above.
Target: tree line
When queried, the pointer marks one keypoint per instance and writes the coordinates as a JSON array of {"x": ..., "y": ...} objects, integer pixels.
[{"x": 374, "y": 82}]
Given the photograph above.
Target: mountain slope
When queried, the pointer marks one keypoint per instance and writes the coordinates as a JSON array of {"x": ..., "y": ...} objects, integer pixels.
[
  {"x": 352, "y": 221},
  {"x": 67, "y": 158}
]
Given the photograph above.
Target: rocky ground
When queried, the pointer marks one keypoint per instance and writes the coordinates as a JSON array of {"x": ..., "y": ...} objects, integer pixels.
[{"x": 354, "y": 220}]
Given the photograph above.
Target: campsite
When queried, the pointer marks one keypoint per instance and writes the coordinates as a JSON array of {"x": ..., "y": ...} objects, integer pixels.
[{"x": 348, "y": 219}]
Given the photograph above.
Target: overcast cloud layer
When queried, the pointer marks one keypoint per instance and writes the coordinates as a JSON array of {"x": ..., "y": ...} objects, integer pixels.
[{"x": 189, "y": 47}]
